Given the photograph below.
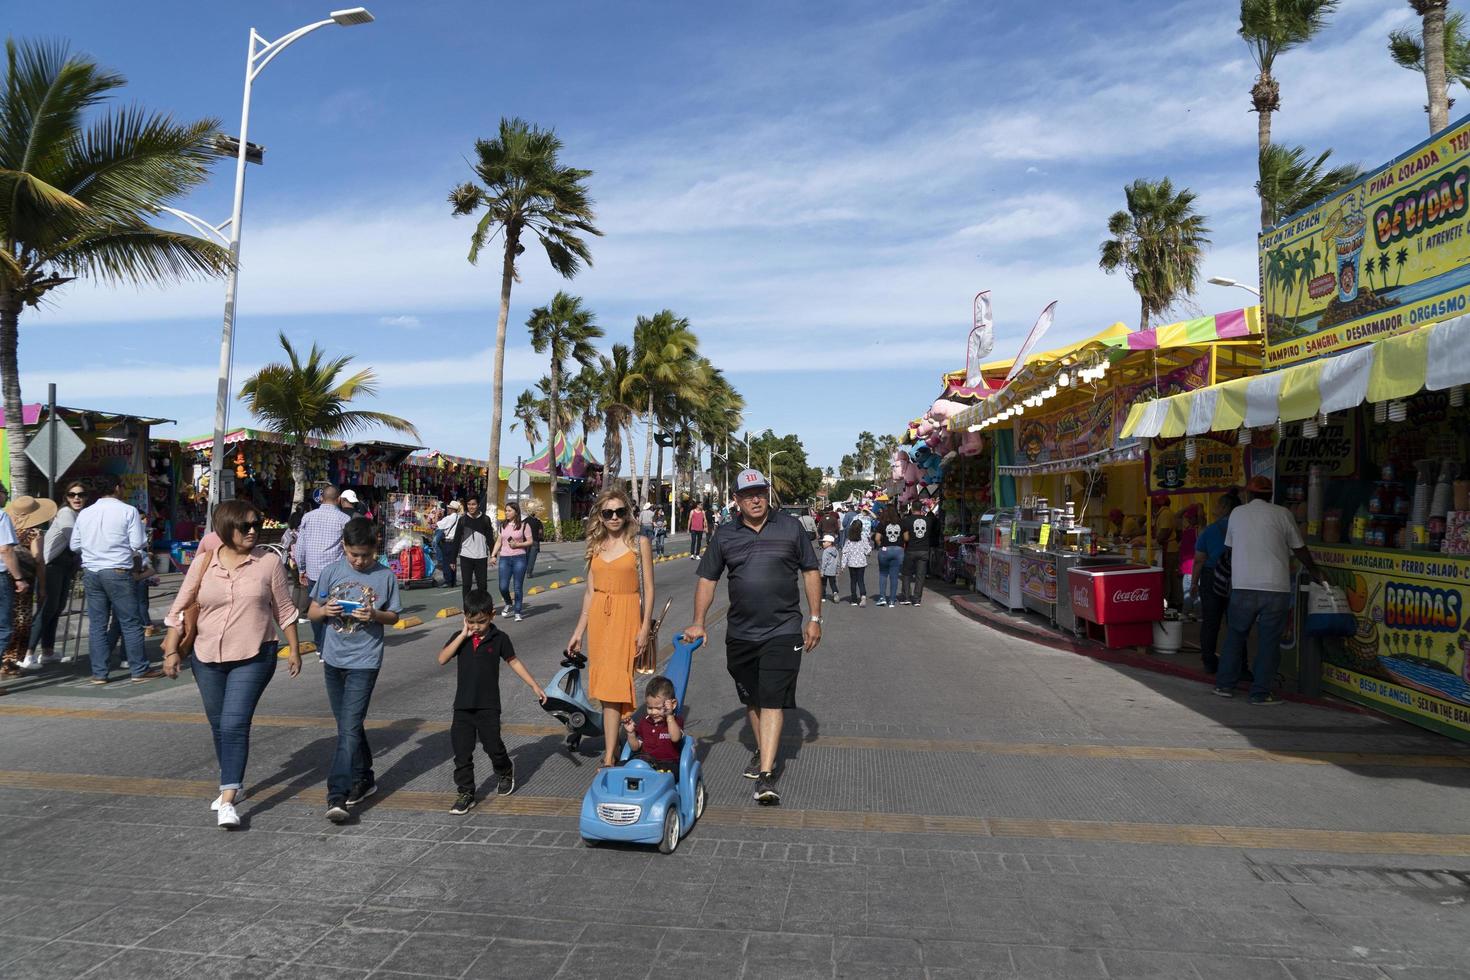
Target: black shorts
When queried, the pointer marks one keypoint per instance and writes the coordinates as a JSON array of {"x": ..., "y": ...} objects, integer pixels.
[{"x": 765, "y": 670}]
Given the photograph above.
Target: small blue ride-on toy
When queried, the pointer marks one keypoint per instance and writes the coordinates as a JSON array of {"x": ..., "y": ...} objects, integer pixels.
[
  {"x": 568, "y": 702},
  {"x": 638, "y": 804}
]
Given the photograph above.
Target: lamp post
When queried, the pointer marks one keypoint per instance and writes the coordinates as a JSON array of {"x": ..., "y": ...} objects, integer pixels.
[
  {"x": 259, "y": 53},
  {"x": 770, "y": 457},
  {"x": 1224, "y": 281}
]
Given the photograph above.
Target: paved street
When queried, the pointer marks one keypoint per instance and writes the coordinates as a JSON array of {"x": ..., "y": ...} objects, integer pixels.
[{"x": 957, "y": 803}]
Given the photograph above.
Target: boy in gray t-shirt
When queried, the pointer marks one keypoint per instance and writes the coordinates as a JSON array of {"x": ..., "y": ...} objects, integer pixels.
[{"x": 357, "y": 596}]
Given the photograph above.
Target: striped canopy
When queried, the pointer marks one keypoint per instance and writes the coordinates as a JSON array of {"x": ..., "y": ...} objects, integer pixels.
[{"x": 1433, "y": 357}]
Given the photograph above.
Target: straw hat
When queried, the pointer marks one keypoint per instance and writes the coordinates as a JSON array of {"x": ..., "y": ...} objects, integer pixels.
[{"x": 26, "y": 511}]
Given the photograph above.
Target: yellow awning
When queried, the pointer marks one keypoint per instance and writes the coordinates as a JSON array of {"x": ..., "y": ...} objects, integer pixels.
[{"x": 1434, "y": 357}]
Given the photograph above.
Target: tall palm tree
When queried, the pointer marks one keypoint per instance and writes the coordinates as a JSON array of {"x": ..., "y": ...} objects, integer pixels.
[
  {"x": 721, "y": 416},
  {"x": 528, "y": 415},
  {"x": 867, "y": 445},
  {"x": 1418, "y": 54},
  {"x": 524, "y": 189},
  {"x": 76, "y": 195},
  {"x": 1158, "y": 242},
  {"x": 617, "y": 411},
  {"x": 887, "y": 446},
  {"x": 1291, "y": 181},
  {"x": 1400, "y": 259},
  {"x": 1308, "y": 258},
  {"x": 581, "y": 397},
  {"x": 664, "y": 369},
  {"x": 1383, "y": 263},
  {"x": 1270, "y": 29},
  {"x": 310, "y": 399},
  {"x": 565, "y": 329}
]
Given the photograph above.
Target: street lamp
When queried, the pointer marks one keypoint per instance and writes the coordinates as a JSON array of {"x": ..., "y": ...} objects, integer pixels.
[
  {"x": 259, "y": 53},
  {"x": 769, "y": 475},
  {"x": 1223, "y": 281}
]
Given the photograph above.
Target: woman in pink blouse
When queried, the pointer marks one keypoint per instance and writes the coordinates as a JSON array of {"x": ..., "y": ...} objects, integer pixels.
[
  {"x": 243, "y": 597},
  {"x": 510, "y": 554}
]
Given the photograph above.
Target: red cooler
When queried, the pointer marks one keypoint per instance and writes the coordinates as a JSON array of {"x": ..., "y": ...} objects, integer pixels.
[{"x": 1118, "y": 603}]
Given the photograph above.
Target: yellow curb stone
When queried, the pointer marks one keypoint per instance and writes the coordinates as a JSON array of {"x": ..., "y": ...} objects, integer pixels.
[
  {"x": 408, "y": 621},
  {"x": 535, "y": 590},
  {"x": 447, "y": 612},
  {"x": 575, "y": 580},
  {"x": 555, "y": 585}
]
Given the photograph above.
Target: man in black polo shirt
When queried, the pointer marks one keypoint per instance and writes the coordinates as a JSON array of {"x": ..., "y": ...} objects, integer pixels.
[{"x": 765, "y": 552}]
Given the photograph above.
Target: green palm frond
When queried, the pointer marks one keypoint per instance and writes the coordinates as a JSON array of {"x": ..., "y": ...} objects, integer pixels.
[
  {"x": 1272, "y": 27},
  {"x": 1291, "y": 180},
  {"x": 1158, "y": 243}
]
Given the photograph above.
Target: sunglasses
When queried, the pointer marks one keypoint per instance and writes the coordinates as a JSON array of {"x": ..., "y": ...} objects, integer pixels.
[
  {"x": 75, "y": 496},
  {"x": 614, "y": 514},
  {"x": 250, "y": 527}
]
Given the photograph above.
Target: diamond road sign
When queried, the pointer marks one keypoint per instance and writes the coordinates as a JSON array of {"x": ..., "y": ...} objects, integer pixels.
[
  {"x": 68, "y": 448},
  {"x": 519, "y": 482}
]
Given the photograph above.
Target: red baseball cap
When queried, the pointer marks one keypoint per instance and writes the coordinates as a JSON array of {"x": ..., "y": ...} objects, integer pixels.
[{"x": 1259, "y": 484}]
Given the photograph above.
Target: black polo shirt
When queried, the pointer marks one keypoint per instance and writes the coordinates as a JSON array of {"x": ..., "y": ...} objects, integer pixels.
[
  {"x": 479, "y": 670},
  {"x": 764, "y": 567}
]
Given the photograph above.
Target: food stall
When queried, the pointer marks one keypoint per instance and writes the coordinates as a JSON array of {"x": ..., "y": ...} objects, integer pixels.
[{"x": 116, "y": 445}]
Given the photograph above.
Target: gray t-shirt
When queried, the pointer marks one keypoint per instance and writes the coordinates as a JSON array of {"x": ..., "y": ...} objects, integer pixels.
[
  {"x": 350, "y": 643},
  {"x": 765, "y": 567}
]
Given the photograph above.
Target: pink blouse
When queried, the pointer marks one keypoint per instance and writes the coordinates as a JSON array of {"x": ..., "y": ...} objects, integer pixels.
[
  {"x": 515, "y": 542},
  {"x": 238, "y": 610}
]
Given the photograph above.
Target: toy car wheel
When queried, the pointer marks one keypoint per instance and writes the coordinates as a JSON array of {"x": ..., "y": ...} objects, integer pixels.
[
  {"x": 576, "y": 719},
  {"x": 670, "y": 839},
  {"x": 573, "y": 740},
  {"x": 699, "y": 798}
]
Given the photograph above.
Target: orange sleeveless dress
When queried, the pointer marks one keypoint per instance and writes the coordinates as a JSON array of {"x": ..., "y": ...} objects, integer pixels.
[{"x": 612, "y": 631}]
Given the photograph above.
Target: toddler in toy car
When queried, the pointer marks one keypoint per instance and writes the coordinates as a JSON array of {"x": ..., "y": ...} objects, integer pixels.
[{"x": 657, "y": 736}]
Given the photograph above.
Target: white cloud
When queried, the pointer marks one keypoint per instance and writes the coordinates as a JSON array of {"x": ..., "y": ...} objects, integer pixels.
[{"x": 402, "y": 320}]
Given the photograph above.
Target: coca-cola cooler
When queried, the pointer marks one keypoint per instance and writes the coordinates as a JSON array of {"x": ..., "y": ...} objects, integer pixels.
[{"x": 1118, "y": 604}]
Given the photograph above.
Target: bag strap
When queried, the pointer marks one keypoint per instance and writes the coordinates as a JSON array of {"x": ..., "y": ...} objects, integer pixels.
[{"x": 638, "y": 554}]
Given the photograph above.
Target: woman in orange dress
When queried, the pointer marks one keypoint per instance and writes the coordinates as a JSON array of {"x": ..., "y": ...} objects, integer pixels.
[{"x": 617, "y": 626}]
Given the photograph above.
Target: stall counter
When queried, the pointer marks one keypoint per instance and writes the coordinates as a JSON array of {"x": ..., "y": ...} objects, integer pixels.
[{"x": 1410, "y": 656}]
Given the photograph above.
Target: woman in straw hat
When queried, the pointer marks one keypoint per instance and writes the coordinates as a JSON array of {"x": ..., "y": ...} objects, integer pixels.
[
  {"x": 27, "y": 514},
  {"x": 62, "y": 565}
]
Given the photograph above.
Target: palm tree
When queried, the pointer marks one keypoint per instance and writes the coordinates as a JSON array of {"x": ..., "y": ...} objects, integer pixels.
[
  {"x": 887, "y": 446},
  {"x": 1441, "y": 53},
  {"x": 665, "y": 369},
  {"x": 617, "y": 411},
  {"x": 1158, "y": 242},
  {"x": 1400, "y": 259},
  {"x": 867, "y": 446},
  {"x": 1270, "y": 29},
  {"x": 76, "y": 196},
  {"x": 720, "y": 417},
  {"x": 1371, "y": 268},
  {"x": 581, "y": 398},
  {"x": 1308, "y": 256},
  {"x": 1383, "y": 264},
  {"x": 309, "y": 400},
  {"x": 523, "y": 189},
  {"x": 565, "y": 329},
  {"x": 1290, "y": 181},
  {"x": 528, "y": 414}
]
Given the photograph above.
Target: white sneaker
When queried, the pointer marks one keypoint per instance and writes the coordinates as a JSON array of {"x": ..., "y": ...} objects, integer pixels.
[
  {"x": 31, "y": 661},
  {"x": 228, "y": 818},
  {"x": 50, "y": 658},
  {"x": 219, "y": 800},
  {"x": 518, "y": 617}
]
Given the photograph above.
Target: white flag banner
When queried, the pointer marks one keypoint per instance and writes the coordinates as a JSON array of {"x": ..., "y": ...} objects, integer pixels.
[
  {"x": 982, "y": 339},
  {"x": 1043, "y": 324}
]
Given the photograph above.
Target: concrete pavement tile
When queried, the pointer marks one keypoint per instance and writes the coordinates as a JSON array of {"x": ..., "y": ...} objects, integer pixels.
[
  {"x": 968, "y": 956},
  {"x": 231, "y": 968},
  {"x": 512, "y": 959},
  {"x": 1058, "y": 961},
  {"x": 271, "y": 939},
  {"x": 379, "y": 918},
  {"x": 996, "y": 924},
  {"x": 12, "y": 948},
  {"x": 775, "y": 970},
  {"x": 1078, "y": 924},
  {"x": 311, "y": 971},
  {"x": 836, "y": 908},
  {"x": 59, "y": 918},
  {"x": 540, "y": 930},
  {"x": 704, "y": 942},
  {"x": 1424, "y": 972},
  {"x": 1326, "y": 970},
  {"x": 632, "y": 962},
  {"x": 736, "y": 874},
  {"x": 57, "y": 959},
  {"x": 877, "y": 951},
  {"x": 435, "y": 956},
  {"x": 1238, "y": 968},
  {"x": 1148, "y": 965},
  {"x": 474, "y": 925},
  {"x": 704, "y": 966},
  {"x": 196, "y": 932},
  {"x": 789, "y": 947},
  {"x": 829, "y": 878},
  {"x": 315, "y": 912},
  {"x": 621, "y": 934},
  {"x": 356, "y": 949},
  {"x": 120, "y": 926},
  {"x": 145, "y": 964}
]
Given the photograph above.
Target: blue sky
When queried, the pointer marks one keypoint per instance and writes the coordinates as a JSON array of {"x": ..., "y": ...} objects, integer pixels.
[{"x": 820, "y": 188}]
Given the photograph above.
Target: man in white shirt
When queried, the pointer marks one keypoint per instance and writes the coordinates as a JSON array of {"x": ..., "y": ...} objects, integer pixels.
[
  {"x": 108, "y": 535},
  {"x": 1262, "y": 538}
]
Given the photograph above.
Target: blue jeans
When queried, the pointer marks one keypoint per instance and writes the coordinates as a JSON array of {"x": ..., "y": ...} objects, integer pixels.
[
  {"x": 230, "y": 691},
  {"x": 1249, "y": 607},
  {"x": 532, "y": 553},
  {"x": 349, "y": 691},
  {"x": 7, "y": 609},
  {"x": 114, "y": 628},
  {"x": 112, "y": 592},
  {"x": 659, "y": 537},
  {"x": 59, "y": 577},
  {"x": 890, "y": 565},
  {"x": 513, "y": 573}
]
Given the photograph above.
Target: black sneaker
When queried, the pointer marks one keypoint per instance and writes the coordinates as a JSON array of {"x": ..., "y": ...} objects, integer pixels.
[
  {"x": 915, "y": 603},
  {"x": 1265, "y": 699},
  {"x": 1223, "y": 692},
  {"x": 766, "y": 793},
  {"x": 902, "y": 601},
  {"x": 505, "y": 782},
  {"x": 360, "y": 792},
  {"x": 337, "y": 811},
  {"x": 463, "y": 803},
  {"x": 753, "y": 771}
]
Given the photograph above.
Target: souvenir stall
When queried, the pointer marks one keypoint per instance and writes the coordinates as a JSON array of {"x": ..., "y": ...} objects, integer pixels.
[
  {"x": 1361, "y": 420},
  {"x": 116, "y": 446},
  {"x": 447, "y": 477},
  {"x": 1081, "y": 487},
  {"x": 370, "y": 469},
  {"x": 579, "y": 476},
  {"x": 262, "y": 462},
  {"x": 408, "y": 533}
]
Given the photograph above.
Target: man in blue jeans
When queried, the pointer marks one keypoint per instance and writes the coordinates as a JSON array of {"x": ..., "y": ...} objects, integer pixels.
[
  {"x": 109, "y": 536},
  {"x": 1262, "y": 538},
  {"x": 355, "y": 597}
]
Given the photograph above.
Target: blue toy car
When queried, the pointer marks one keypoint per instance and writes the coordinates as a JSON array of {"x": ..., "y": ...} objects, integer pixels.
[
  {"x": 568, "y": 702},
  {"x": 638, "y": 804}
]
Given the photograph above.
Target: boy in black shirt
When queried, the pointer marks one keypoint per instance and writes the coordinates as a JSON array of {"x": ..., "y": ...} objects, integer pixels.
[{"x": 480, "y": 648}]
